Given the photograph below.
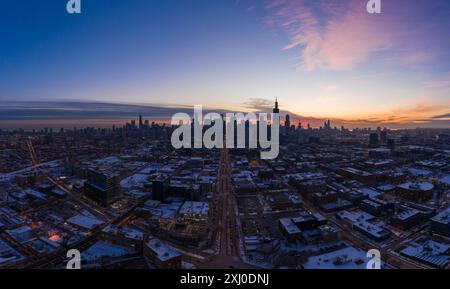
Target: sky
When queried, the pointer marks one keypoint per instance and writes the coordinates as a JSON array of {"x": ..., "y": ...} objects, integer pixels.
[{"x": 322, "y": 59}]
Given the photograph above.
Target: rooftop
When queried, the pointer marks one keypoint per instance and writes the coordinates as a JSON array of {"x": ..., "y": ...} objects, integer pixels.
[
  {"x": 345, "y": 258},
  {"x": 443, "y": 217},
  {"x": 161, "y": 250},
  {"x": 194, "y": 208},
  {"x": 416, "y": 186},
  {"x": 86, "y": 222}
]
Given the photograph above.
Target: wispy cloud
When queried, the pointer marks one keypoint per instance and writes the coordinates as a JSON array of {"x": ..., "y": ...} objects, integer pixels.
[
  {"x": 68, "y": 114},
  {"x": 340, "y": 35},
  {"x": 418, "y": 109},
  {"x": 419, "y": 115},
  {"x": 259, "y": 104},
  {"x": 442, "y": 116},
  {"x": 60, "y": 110}
]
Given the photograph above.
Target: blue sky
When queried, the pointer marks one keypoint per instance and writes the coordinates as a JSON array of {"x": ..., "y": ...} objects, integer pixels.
[
  {"x": 147, "y": 50},
  {"x": 321, "y": 58}
]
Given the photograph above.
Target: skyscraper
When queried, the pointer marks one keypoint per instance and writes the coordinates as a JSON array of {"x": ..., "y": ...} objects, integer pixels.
[
  {"x": 383, "y": 136},
  {"x": 102, "y": 186},
  {"x": 287, "y": 123},
  {"x": 141, "y": 124},
  {"x": 373, "y": 139},
  {"x": 276, "y": 109}
]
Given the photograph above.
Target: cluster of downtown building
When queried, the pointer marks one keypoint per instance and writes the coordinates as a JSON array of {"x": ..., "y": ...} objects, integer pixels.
[
  {"x": 96, "y": 190},
  {"x": 125, "y": 198}
]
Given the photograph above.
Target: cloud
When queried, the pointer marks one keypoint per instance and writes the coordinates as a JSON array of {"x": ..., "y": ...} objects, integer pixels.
[
  {"x": 31, "y": 115},
  {"x": 63, "y": 110},
  {"x": 418, "y": 115},
  {"x": 418, "y": 109},
  {"x": 329, "y": 35},
  {"x": 340, "y": 35},
  {"x": 259, "y": 104},
  {"x": 442, "y": 116}
]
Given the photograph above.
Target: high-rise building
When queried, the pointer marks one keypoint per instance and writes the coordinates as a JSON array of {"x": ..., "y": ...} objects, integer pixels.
[
  {"x": 159, "y": 187},
  {"x": 383, "y": 136},
  {"x": 391, "y": 144},
  {"x": 440, "y": 224},
  {"x": 287, "y": 123},
  {"x": 276, "y": 109},
  {"x": 102, "y": 186},
  {"x": 373, "y": 139},
  {"x": 141, "y": 123},
  {"x": 162, "y": 255}
]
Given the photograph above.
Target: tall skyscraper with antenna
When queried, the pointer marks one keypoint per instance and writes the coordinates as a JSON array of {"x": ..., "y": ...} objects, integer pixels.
[{"x": 276, "y": 109}]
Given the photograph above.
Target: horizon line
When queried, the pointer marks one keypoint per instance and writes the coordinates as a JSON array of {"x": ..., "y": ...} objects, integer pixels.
[{"x": 24, "y": 111}]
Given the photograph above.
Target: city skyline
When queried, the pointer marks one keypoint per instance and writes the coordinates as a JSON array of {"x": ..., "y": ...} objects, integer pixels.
[
  {"x": 68, "y": 115},
  {"x": 129, "y": 198},
  {"x": 322, "y": 59},
  {"x": 260, "y": 137}
]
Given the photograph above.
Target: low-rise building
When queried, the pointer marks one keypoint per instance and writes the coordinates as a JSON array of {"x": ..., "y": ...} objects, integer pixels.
[
  {"x": 440, "y": 224},
  {"x": 415, "y": 191},
  {"x": 163, "y": 256}
]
